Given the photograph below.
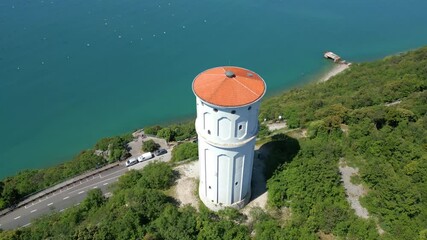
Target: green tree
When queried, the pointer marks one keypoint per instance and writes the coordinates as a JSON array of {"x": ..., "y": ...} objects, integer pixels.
[
  {"x": 128, "y": 180},
  {"x": 86, "y": 233},
  {"x": 146, "y": 203},
  {"x": 10, "y": 195},
  {"x": 423, "y": 234},
  {"x": 93, "y": 200},
  {"x": 152, "y": 130},
  {"x": 167, "y": 134},
  {"x": 232, "y": 214},
  {"x": 176, "y": 224},
  {"x": 185, "y": 151},
  {"x": 223, "y": 230},
  {"x": 116, "y": 145},
  {"x": 263, "y": 131},
  {"x": 183, "y": 131},
  {"x": 10, "y": 235},
  {"x": 157, "y": 175},
  {"x": 150, "y": 146}
]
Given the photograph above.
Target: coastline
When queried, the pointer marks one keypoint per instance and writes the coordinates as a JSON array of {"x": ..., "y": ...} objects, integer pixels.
[
  {"x": 58, "y": 109},
  {"x": 337, "y": 69},
  {"x": 321, "y": 77}
]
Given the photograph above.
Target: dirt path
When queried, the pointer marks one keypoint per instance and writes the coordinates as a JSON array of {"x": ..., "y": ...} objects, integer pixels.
[
  {"x": 338, "y": 68},
  {"x": 275, "y": 126},
  {"x": 354, "y": 192},
  {"x": 186, "y": 186}
]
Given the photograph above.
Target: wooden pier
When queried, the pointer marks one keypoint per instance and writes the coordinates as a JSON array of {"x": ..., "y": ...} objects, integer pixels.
[{"x": 333, "y": 56}]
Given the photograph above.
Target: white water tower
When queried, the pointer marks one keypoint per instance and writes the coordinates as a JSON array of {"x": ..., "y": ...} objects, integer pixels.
[{"x": 227, "y": 124}]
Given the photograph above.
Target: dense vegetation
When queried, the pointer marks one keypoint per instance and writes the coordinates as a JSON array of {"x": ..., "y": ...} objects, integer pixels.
[
  {"x": 116, "y": 148},
  {"x": 12, "y": 189},
  {"x": 136, "y": 210},
  {"x": 185, "y": 151},
  {"x": 374, "y": 117},
  {"x": 350, "y": 118},
  {"x": 174, "y": 132},
  {"x": 263, "y": 131}
]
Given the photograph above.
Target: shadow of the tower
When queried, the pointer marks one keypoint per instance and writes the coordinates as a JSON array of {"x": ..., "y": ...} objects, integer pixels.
[{"x": 270, "y": 157}]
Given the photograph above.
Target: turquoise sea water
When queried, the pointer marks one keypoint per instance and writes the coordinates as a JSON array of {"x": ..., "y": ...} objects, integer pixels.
[{"x": 72, "y": 72}]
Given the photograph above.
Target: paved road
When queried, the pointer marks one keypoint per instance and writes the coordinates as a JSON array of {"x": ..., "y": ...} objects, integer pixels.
[{"x": 72, "y": 195}]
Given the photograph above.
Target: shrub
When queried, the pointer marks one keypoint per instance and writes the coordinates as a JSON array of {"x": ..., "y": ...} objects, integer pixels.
[
  {"x": 157, "y": 175},
  {"x": 150, "y": 146},
  {"x": 185, "y": 151}
]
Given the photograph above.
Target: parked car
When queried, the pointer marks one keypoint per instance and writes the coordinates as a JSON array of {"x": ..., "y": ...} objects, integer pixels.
[
  {"x": 131, "y": 161},
  {"x": 160, "y": 151},
  {"x": 145, "y": 157}
]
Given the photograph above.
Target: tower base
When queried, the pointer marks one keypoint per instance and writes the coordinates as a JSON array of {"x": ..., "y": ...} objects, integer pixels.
[{"x": 217, "y": 206}]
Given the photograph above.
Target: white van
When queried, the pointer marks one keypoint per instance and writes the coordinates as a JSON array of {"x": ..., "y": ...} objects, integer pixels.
[
  {"x": 145, "y": 157},
  {"x": 131, "y": 161}
]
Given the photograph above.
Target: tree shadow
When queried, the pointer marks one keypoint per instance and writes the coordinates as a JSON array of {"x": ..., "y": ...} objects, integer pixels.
[
  {"x": 269, "y": 157},
  {"x": 175, "y": 177}
]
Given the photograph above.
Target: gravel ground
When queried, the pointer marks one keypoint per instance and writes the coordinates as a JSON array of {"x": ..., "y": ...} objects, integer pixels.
[
  {"x": 186, "y": 185},
  {"x": 136, "y": 144},
  {"x": 338, "y": 68},
  {"x": 275, "y": 126},
  {"x": 353, "y": 191}
]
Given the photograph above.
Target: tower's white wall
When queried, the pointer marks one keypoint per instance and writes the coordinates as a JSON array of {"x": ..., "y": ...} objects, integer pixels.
[
  {"x": 226, "y": 139},
  {"x": 225, "y": 174}
]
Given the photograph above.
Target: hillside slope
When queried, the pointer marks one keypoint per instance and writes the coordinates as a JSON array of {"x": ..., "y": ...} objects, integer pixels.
[{"x": 374, "y": 116}]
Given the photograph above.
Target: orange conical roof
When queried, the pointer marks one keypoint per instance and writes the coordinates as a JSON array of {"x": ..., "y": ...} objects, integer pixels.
[{"x": 229, "y": 86}]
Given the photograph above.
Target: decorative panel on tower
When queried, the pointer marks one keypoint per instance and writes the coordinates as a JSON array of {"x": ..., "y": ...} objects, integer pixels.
[
  {"x": 224, "y": 178},
  {"x": 224, "y": 128},
  {"x": 238, "y": 170},
  {"x": 211, "y": 164}
]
